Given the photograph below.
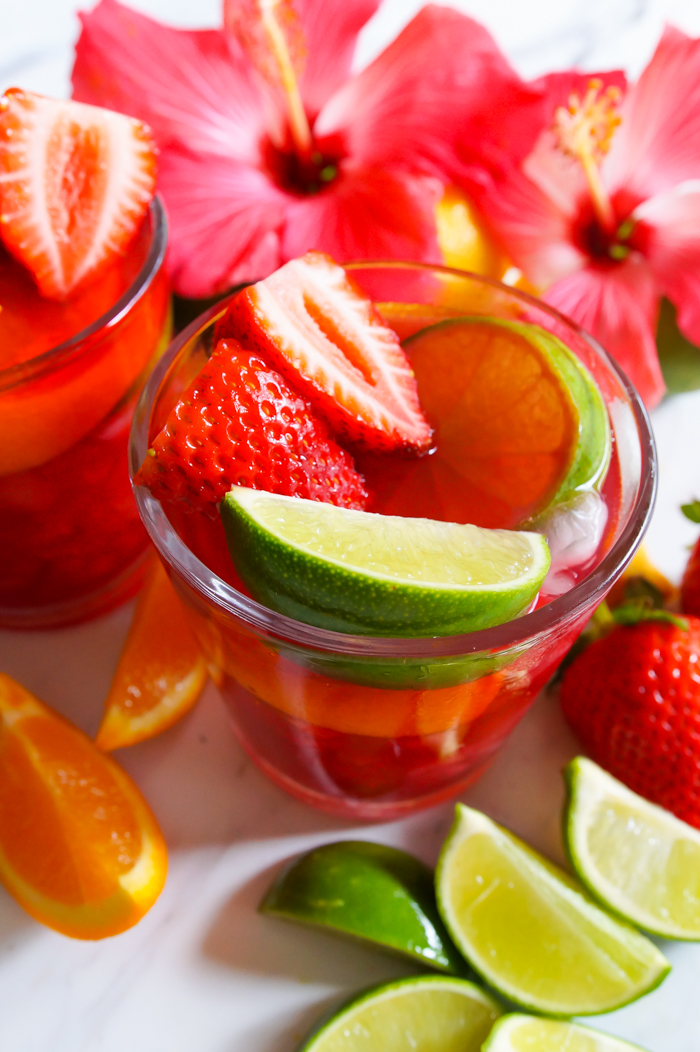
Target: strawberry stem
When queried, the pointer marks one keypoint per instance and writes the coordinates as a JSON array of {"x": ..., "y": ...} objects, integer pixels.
[{"x": 692, "y": 510}]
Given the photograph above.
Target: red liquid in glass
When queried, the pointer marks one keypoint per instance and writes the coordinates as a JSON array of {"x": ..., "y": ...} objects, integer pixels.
[
  {"x": 367, "y": 750},
  {"x": 68, "y": 523}
]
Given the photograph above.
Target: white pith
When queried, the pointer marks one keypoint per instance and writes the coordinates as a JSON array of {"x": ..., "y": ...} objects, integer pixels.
[
  {"x": 281, "y": 299},
  {"x": 129, "y": 184},
  {"x": 653, "y": 832},
  {"x": 387, "y": 535}
]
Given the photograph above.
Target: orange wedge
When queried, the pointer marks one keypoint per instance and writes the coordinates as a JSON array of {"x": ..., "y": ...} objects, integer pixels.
[
  {"x": 79, "y": 847},
  {"x": 463, "y": 238},
  {"x": 161, "y": 671}
]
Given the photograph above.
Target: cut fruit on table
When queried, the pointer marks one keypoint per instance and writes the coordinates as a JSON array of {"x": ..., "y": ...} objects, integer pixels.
[
  {"x": 161, "y": 670},
  {"x": 636, "y": 858},
  {"x": 531, "y": 931},
  {"x": 425, "y": 1014},
  {"x": 519, "y": 423},
  {"x": 79, "y": 847},
  {"x": 525, "y": 1033},
  {"x": 317, "y": 327},
  {"x": 370, "y": 892},
  {"x": 376, "y": 574},
  {"x": 240, "y": 423},
  {"x": 48, "y": 145}
]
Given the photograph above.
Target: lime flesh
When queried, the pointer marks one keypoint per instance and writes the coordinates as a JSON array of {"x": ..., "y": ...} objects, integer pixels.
[
  {"x": 589, "y": 455},
  {"x": 525, "y": 1033},
  {"x": 370, "y": 892},
  {"x": 425, "y": 1014},
  {"x": 531, "y": 931},
  {"x": 639, "y": 860},
  {"x": 353, "y": 571}
]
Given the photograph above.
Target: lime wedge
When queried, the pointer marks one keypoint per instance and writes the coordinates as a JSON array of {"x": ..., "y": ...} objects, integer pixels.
[
  {"x": 425, "y": 1014},
  {"x": 354, "y": 571},
  {"x": 531, "y": 931},
  {"x": 370, "y": 892},
  {"x": 639, "y": 860},
  {"x": 525, "y": 1033}
]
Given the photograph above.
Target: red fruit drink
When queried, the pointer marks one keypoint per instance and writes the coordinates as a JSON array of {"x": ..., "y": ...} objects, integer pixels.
[
  {"x": 71, "y": 542},
  {"x": 374, "y": 727}
]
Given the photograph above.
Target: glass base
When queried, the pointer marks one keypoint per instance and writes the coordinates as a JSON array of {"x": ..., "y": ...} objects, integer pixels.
[
  {"x": 81, "y": 608},
  {"x": 353, "y": 808}
]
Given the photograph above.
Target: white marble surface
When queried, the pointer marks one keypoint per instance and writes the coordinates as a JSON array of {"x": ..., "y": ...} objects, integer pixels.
[{"x": 203, "y": 971}]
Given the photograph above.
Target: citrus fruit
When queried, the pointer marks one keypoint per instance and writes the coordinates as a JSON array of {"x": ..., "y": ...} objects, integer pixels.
[
  {"x": 463, "y": 239},
  {"x": 79, "y": 847},
  {"x": 370, "y": 892},
  {"x": 161, "y": 671},
  {"x": 519, "y": 425},
  {"x": 525, "y": 1033},
  {"x": 638, "y": 859},
  {"x": 424, "y": 1014},
  {"x": 531, "y": 931},
  {"x": 354, "y": 571}
]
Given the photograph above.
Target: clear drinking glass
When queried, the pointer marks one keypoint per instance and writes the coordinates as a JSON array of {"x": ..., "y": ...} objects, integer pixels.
[
  {"x": 71, "y": 542},
  {"x": 374, "y": 728}
]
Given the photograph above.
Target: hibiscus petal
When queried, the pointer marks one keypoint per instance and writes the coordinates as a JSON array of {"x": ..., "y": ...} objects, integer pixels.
[
  {"x": 225, "y": 219},
  {"x": 442, "y": 97},
  {"x": 618, "y": 305},
  {"x": 534, "y": 228},
  {"x": 330, "y": 28},
  {"x": 658, "y": 142},
  {"x": 192, "y": 86},
  {"x": 367, "y": 214},
  {"x": 671, "y": 243}
]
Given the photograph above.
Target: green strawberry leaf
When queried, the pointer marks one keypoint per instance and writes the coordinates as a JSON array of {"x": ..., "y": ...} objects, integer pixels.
[
  {"x": 692, "y": 510},
  {"x": 679, "y": 358},
  {"x": 641, "y": 609}
]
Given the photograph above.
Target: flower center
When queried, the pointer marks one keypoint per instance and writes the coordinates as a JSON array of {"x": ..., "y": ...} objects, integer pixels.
[
  {"x": 300, "y": 174},
  {"x": 584, "y": 130}
]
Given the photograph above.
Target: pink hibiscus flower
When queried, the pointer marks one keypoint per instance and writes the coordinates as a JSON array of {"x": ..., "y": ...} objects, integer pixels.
[
  {"x": 268, "y": 149},
  {"x": 604, "y": 213}
]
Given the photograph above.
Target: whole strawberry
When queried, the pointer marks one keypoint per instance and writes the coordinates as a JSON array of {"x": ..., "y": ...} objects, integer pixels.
[
  {"x": 240, "y": 423},
  {"x": 690, "y": 585},
  {"x": 633, "y": 698}
]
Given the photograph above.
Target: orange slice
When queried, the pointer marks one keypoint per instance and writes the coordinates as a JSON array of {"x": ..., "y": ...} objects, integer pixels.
[
  {"x": 79, "y": 847},
  {"x": 161, "y": 671}
]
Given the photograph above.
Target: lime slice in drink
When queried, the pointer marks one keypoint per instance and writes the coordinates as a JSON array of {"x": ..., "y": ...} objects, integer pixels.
[
  {"x": 354, "y": 571},
  {"x": 370, "y": 892},
  {"x": 525, "y": 1033},
  {"x": 639, "y": 860},
  {"x": 518, "y": 418},
  {"x": 423, "y": 1014},
  {"x": 531, "y": 931}
]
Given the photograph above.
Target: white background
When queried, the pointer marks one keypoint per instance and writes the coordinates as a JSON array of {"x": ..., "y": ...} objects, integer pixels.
[{"x": 203, "y": 972}]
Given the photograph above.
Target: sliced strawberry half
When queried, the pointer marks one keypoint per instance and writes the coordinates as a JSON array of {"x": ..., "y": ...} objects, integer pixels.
[
  {"x": 75, "y": 182},
  {"x": 241, "y": 424},
  {"x": 318, "y": 328}
]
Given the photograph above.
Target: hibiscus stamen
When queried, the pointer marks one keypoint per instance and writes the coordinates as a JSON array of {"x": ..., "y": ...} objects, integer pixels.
[
  {"x": 273, "y": 38},
  {"x": 584, "y": 130}
]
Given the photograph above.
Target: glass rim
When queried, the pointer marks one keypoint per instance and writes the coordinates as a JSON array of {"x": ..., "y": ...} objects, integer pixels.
[
  {"x": 21, "y": 372},
  {"x": 560, "y": 611}
]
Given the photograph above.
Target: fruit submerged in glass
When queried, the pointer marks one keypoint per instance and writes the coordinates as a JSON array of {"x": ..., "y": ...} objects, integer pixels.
[
  {"x": 71, "y": 543},
  {"x": 371, "y": 727}
]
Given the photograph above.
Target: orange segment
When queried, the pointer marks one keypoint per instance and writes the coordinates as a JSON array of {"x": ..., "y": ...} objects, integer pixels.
[
  {"x": 79, "y": 848},
  {"x": 464, "y": 241},
  {"x": 161, "y": 671}
]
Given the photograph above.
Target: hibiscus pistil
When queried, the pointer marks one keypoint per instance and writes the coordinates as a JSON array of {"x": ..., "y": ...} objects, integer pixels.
[
  {"x": 584, "y": 130},
  {"x": 273, "y": 38}
]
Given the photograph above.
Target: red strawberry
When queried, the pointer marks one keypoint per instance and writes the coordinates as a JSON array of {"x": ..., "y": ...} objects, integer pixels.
[
  {"x": 690, "y": 585},
  {"x": 319, "y": 329},
  {"x": 240, "y": 423},
  {"x": 75, "y": 182},
  {"x": 633, "y": 698}
]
